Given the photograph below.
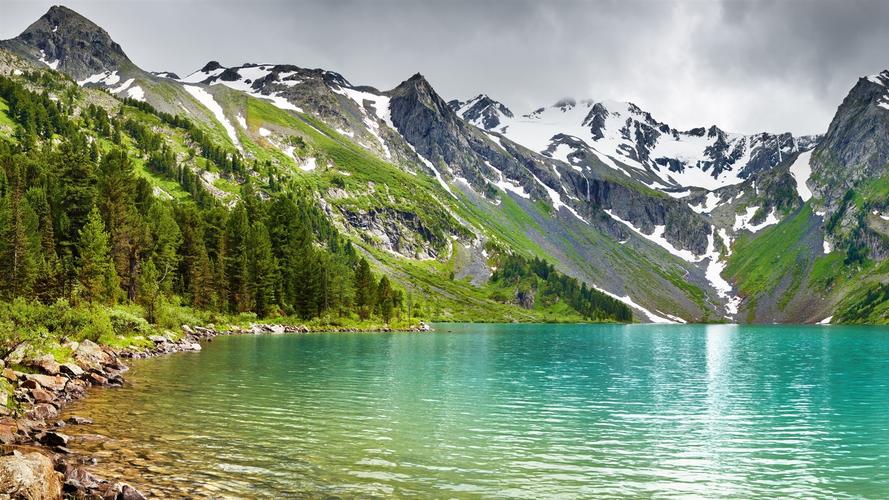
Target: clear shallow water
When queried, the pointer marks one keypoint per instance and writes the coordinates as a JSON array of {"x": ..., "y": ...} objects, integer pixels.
[{"x": 507, "y": 411}]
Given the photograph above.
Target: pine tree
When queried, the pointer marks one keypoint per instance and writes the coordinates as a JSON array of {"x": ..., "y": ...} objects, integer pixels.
[
  {"x": 236, "y": 233},
  {"x": 165, "y": 241},
  {"x": 365, "y": 289},
  {"x": 263, "y": 270},
  {"x": 149, "y": 289},
  {"x": 385, "y": 299},
  {"x": 19, "y": 243},
  {"x": 97, "y": 276}
]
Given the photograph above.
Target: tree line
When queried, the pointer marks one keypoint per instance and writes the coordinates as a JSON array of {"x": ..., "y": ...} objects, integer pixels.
[
  {"x": 538, "y": 278},
  {"x": 78, "y": 223}
]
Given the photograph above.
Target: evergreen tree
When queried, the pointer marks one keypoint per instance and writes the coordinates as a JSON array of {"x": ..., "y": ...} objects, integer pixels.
[
  {"x": 98, "y": 279},
  {"x": 263, "y": 270},
  {"x": 236, "y": 233},
  {"x": 365, "y": 289},
  {"x": 19, "y": 242},
  {"x": 385, "y": 297}
]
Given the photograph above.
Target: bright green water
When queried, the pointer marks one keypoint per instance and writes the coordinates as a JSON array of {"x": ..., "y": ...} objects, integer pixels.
[{"x": 508, "y": 411}]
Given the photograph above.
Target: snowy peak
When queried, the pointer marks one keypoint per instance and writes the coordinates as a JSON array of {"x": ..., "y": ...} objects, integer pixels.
[
  {"x": 627, "y": 138},
  {"x": 481, "y": 111},
  {"x": 64, "y": 40}
]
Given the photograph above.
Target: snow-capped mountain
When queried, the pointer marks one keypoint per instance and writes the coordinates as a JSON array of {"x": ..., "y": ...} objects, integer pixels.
[{"x": 630, "y": 140}]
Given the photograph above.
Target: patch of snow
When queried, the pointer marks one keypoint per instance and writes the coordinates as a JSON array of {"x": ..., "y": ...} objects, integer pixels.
[
  {"x": 884, "y": 217},
  {"x": 55, "y": 28},
  {"x": 52, "y": 64},
  {"x": 713, "y": 273},
  {"x": 826, "y": 321},
  {"x": 657, "y": 237},
  {"x": 136, "y": 93},
  {"x": 556, "y": 199},
  {"x": 801, "y": 171},
  {"x": 241, "y": 121},
  {"x": 199, "y": 76},
  {"x": 435, "y": 171},
  {"x": 709, "y": 204},
  {"x": 264, "y": 132},
  {"x": 308, "y": 165},
  {"x": 104, "y": 78},
  {"x": 742, "y": 221},
  {"x": 380, "y": 105},
  {"x": 678, "y": 194},
  {"x": 508, "y": 185},
  {"x": 125, "y": 85},
  {"x": 827, "y": 248},
  {"x": 654, "y": 318},
  {"x": 210, "y": 103}
]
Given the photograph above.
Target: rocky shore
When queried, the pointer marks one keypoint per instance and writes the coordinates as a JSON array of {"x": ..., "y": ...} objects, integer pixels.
[{"x": 37, "y": 463}]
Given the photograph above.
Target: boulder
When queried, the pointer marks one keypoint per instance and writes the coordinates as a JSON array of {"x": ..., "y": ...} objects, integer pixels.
[
  {"x": 96, "y": 379},
  {"x": 47, "y": 364},
  {"x": 78, "y": 478},
  {"x": 29, "y": 476},
  {"x": 53, "y": 383},
  {"x": 70, "y": 370},
  {"x": 122, "y": 491},
  {"x": 42, "y": 396},
  {"x": 52, "y": 438},
  {"x": 90, "y": 354},
  {"x": 158, "y": 339},
  {"x": 277, "y": 328},
  {"x": 43, "y": 411}
]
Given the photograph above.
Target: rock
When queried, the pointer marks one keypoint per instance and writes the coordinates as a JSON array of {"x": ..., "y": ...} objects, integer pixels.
[
  {"x": 53, "y": 383},
  {"x": 47, "y": 364},
  {"x": 71, "y": 370},
  {"x": 8, "y": 432},
  {"x": 42, "y": 396},
  {"x": 158, "y": 339},
  {"x": 52, "y": 438},
  {"x": 276, "y": 328},
  {"x": 10, "y": 374},
  {"x": 43, "y": 411},
  {"x": 18, "y": 354},
  {"x": 78, "y": 478},
  {"x": 96, "y": 379},
  {"x": 90, "y": 354},
  {"x": 122, "y": 491},
  {"x": 30, "y": 476},
  {"x": 77, "y": 420},
  {"x": 30, "y": 384},
  {"x": 187, "y": 329}
]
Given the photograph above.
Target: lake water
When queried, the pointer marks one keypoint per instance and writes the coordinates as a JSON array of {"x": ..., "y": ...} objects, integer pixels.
[{"x": 523, "y": 411}]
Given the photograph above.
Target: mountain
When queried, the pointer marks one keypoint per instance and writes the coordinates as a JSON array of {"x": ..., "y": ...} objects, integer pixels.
[
  {"x": 630, "y": 140},
  {"x": 682, "y": 225}
]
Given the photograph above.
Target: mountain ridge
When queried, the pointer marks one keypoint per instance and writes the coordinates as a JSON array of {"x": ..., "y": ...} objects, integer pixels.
[{"x": 604, "y": 173}]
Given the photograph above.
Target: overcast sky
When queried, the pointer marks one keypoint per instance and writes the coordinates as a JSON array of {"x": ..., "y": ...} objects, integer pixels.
[{"x": 745, "y": 65}]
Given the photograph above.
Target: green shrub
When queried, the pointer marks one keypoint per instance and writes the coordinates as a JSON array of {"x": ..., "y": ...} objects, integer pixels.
[{"x": 99, "y": 325}]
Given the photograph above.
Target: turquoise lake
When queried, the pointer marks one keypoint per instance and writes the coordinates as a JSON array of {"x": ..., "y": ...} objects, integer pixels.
[{"x": 506, "y": 411}]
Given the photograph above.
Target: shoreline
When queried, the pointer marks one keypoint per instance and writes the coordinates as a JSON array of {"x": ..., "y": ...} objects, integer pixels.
[{"x": 37, "y": 462}]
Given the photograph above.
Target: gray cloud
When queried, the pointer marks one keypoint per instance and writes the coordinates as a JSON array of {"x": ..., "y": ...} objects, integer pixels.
[{"x": 745, "y": 65}]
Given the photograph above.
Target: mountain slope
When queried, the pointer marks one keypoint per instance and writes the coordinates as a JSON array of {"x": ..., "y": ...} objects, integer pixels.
[{"x": 696, "y": 225}]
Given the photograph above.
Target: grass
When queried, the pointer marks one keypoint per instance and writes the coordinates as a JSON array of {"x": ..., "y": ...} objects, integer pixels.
[{"x": 760, "y": 261}]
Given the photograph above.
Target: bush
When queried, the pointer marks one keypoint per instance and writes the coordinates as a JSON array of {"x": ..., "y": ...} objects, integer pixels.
[
  {"x": 126, "y": 323},
  {"x": 98, "y": 327}
]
